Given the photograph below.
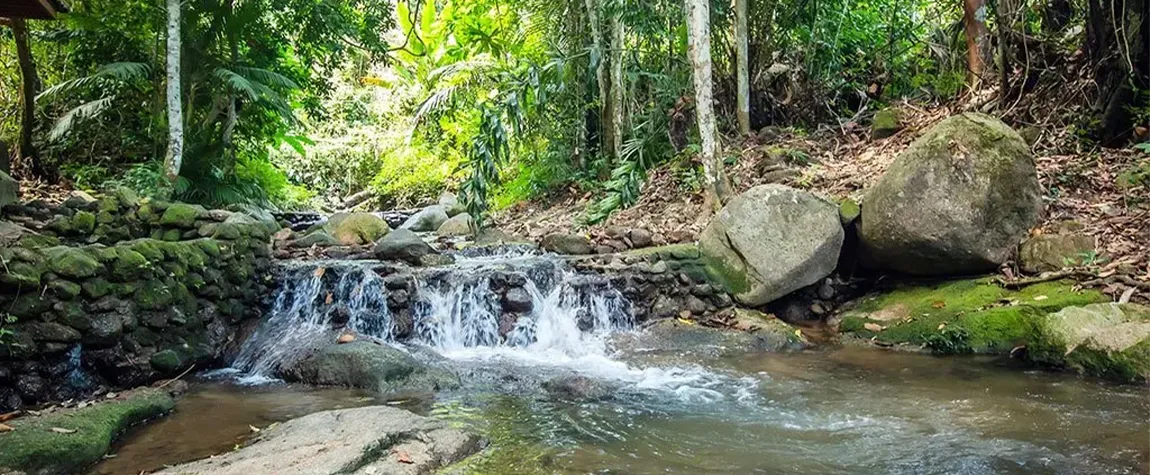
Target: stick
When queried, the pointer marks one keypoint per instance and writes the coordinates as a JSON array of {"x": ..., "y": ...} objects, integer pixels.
[{"x": 177, "y": 378}]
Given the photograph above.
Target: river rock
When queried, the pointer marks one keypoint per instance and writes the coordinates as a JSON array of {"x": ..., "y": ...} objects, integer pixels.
[
  {"x": 451, "y": 204},
  {"x": 1051, "y": 252},
  {"x": 80, "y": 200},
  {"x": 427, "y": 219},
  {"x": 958, "y": 201},
  {"x": 517, "y": 299},
  {"x": 578, "y": 388},
  {"x": 560, "y": 243},
  {"x": 1108, "y": 340},
  {"x": 318, "y": 238},
  {"x": 367, "y": 365},
  {"x": 402, "y": 245},
  {"x": 366, "y": 440},
  {"x": 356, "y": 228},
  {"x": 639, "y": 238},
  {"x": 771, "y": 241},
  {"x": 886, "y": 123},
  {"x": 459, "y": 225}
]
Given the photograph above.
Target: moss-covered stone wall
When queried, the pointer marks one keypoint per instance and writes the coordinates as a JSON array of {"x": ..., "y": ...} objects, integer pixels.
[{"x": 118, "y": 292}]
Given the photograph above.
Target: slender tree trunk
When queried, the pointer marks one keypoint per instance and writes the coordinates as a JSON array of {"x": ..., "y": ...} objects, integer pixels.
[
  {"x": 978, "y": 48},
  {"x": 617, "y": 88},
  {"x": 716, "y": 188},
  {"x": 600, "y": 65},
  {"x": 742, "y": 69},
  {"x": 175, "y": 104},
  {"x": 29, "y": 88},
  {"x": 1004, "y": 12}
]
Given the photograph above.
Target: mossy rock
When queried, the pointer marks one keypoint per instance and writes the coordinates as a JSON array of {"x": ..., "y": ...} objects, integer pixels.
[
  {"x": 22, "y": 274},
  {"x": 154, "y": 295},
  {"x": 960, "y": 316},
  {"x": 1108, "y": 340},
  {"x": 886, "y": 123},
  {"x": 356, "y": 228},
  {"x": 167, "y": 361},
  {"x": 34, "y": 447},
  {"x": 64, "y": 289},
  {"x": 72, "y": 262},
  {"x": 849, "y": 211},
  {"x": 129, "y": 265},
  {"x": 83, "y": 222},
  {"x": 96, "y": 287},
  {"x": 180, "y": 215},
  {"x": 1051, "y": 252}
]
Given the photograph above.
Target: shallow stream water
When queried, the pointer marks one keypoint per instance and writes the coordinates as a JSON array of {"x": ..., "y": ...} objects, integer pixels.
[
  {"x": 688, "y": 401},
  {"x": 849, "y": 411}
]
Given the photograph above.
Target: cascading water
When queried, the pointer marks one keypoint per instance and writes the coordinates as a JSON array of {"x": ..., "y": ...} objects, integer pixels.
[{"x": 459, "y": 311}]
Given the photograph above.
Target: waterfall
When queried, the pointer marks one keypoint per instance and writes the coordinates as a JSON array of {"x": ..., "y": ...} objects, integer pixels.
[{"x": 451, "y": 309}]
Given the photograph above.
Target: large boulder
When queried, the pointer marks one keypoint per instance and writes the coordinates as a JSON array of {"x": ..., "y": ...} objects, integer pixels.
[
  {"x": 367, "y": 365},
  {"x": 771, "y": 241},
  {"x": 451, "y": 204},
  {"x": 1108, "y": 339},
  {"x": 356, "y": 228},
  {"x": 459, "y": 225},
  {"x": 427, "y": 219},
  {"x": 9, "y": 190},
  {"x": 365, "y": 440},
  {"x": 958, "y": 201},
  {"x": 402, "y": 245}
]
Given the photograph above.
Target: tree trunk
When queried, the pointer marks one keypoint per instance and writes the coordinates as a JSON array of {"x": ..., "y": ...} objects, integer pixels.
[
  {"x": 617, "y": 88},
  {"x": 716, "y": 188},
  {"x": 600, "y": 65},
  {"x": 175, "y": 104},
  {"x": 1004, "y": 15},
  {"x": 978, "y": 48},
  {"x": 743, "y": 110},
  {"x": 29, "y": 88}
]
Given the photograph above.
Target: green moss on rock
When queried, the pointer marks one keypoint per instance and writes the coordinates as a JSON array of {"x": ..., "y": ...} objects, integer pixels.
[
  {"x": 961, "y": 316},
  {"x": 34, "y": 447},
  {"x": 72, "y": 262},
  {"x": 1108, "y": 340},
  {"x": 180, "y": 215}
]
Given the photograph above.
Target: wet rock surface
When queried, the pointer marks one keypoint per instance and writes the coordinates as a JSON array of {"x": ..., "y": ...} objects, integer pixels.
[
  {"x": 368, "y": 365},
  {"x": 368, "y": 440}
]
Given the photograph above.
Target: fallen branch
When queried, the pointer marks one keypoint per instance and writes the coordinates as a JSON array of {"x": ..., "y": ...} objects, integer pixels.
[
  {"x": 1045, "y": 277},
  {"x": 177, "y": 378}
]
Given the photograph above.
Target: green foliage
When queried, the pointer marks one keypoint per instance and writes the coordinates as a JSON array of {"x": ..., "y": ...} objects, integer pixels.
[{"x": 6, "y": 333}]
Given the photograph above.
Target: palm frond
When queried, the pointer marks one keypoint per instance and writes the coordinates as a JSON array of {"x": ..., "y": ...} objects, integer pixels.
[
  {"x": 118, "y": 72},
  {"x": 83, "y": 111}
]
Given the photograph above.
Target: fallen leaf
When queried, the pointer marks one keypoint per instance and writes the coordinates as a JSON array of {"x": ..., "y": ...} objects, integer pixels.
[
  {"x": 346, "y": 338},
  {"x": 1040, "y": 297},
  {"x": 941, "y": 326},
  {"x": 9, "y": 416},
  {"x": 327, "y": 301},
  {"x": 938, "y": 304},
  {"x": 319, "y": 271},
  {"x": 684, "y": 321},
  {"x": 874, "y": 327},
  {"x": 402, "y": 457},
  {"x": 61, "y": 430},
  {"x": 254, "y": 429},
  {"x": 6, "y": 428}
]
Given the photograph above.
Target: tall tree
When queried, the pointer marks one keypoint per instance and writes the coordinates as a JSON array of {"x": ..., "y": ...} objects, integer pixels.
[
  {"x": 742, "y": 70},
  {"x": 175, "y": 154},
  {"x": 617, "y": 87},
  {"x": 29, "y": 88},
  {"x": 978, "y": 47},
  {"x": 600, "y": 65},
  {"x": 716, "y": 188}
]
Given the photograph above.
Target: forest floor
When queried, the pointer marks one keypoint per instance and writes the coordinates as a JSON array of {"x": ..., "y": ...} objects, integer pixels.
[{"x": 1081, "y": 186}]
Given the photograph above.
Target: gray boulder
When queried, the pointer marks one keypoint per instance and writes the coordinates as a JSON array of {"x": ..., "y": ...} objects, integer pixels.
[
  {"x": 402, "y": 245},
  {"x": 771, "y": 241},
  {"x": 367, "y": 365},
  {"x": 451, "y": 204},
  {"x": 427, "y": 219},
  {"x": 459, "y": 225},
  {"x": 559, "y": 243},
  {"x": 356, "y": 228},
  {"x": 578, "y": 388},
  {"x": 365, "y": 440},
  {"x": 958, "y": 201},
  {"x": 9, "y": 190}
]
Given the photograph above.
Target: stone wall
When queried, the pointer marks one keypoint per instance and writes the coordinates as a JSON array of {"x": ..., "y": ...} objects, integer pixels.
[
  {"x": 118, "y": 292},
  {"x": 661, "y": 282}
]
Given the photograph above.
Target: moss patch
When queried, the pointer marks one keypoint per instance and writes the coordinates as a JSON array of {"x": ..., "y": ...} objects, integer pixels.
[
  {"x": 962, "y": 316},
  {"x": 34, "y": 447}
]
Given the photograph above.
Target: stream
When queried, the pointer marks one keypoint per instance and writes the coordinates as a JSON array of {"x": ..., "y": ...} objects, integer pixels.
[{"x": 694, "y": 403}]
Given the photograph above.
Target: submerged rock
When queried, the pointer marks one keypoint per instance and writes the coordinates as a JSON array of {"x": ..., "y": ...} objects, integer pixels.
[
  {"x": 71, "y": 440},
  {"x": 427, "y": 219},
  {"x": 366, "y": 440},
  {"x": 578, "y": 388},
  {"x": 402, "y": 245},
  {"x": 771, "y": 241},
  {"x": 958, "y": 201},
  {"x": 1108, "y": 340},
  {"x": 367, "y": 365}
]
